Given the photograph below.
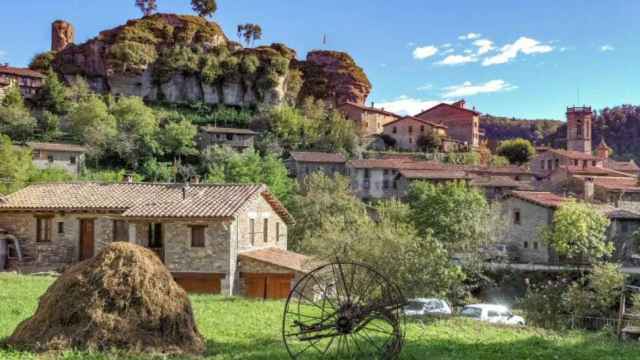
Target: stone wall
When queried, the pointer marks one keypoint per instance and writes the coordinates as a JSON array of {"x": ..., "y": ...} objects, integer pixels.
[
  {"x": 378, "y": 185},
  {"x": 406, "y": 133},
  {"x": 59, "y": 159},
  {"x": 462, "y": 125},
  {"x": 302, "y": 169},
  {"x": 526, "y": 237}
]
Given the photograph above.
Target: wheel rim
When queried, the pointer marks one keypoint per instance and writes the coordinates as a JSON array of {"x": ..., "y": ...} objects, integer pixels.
[{"x": 343, "y": 310}]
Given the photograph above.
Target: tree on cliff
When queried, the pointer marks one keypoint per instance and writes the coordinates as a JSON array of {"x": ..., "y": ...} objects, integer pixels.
[
  {"x": 148, "y": 7},
  {"x": 517, "y": 151},
  {"x": 204, "y": 8},
  {"x": 250, "y": 33}
]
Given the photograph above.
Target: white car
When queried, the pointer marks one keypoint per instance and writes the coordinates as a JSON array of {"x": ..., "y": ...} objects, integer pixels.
[
  {"x": 495, "y": 314},
  {"x": 421, "y": 306}
]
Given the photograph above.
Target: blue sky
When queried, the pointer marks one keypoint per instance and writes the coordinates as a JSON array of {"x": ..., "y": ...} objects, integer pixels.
[{"x": 513, "y": 58}]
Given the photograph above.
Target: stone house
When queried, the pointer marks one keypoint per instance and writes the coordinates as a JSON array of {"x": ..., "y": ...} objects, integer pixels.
[
  {"x": 544, "y": 164},
  {"x": 462, "y": 124},
  {"x": 369, "y": 119},
  {"x": 237, "y": 139},
  {"x": 201, "y": 232},
  {"x": 529, "y": 213},
  {"x": 27, "y": 80},
  {"x": 69, "y": 157},
  {"x": 302, "y": 164},
  {"x": 407, "y": 130}
]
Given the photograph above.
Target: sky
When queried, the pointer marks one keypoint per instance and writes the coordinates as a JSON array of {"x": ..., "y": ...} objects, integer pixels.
[{"x": 524, "y": 59}]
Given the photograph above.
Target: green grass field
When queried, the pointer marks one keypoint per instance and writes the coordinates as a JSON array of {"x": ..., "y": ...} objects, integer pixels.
[{"x": 242, "y": 329}]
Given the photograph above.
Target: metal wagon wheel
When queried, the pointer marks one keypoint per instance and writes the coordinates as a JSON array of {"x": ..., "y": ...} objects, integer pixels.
[{"x": 345, "y": 311}]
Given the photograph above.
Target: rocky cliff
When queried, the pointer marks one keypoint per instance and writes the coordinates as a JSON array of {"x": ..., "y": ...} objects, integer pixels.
[{"x": 183, "y": 59}]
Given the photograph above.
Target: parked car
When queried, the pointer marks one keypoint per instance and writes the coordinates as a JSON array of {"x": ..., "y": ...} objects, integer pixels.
[
  {"x": 421, "y": 306},
  {"x": 496, "y": 314}
]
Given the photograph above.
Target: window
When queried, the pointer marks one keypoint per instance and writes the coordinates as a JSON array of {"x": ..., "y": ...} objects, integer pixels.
[
  {"x": 229, "y": 137},
  {"x": 120, "y": 231},
  {"x": 252, "y": 230},
  {"x": 35, "y": 154},
  {"x": 385, "y": 184},
  {"x": 516, "y": 217},
  {"x": 277, "y": 232},
  {"x": 410, "y": 141},
  {"x": 624, "y": 227},
  {"x": 385, "y": 171},
  {"x": 492, "y": 314},
  {"x": 50, "y": 158},
  {"x": 526, "y": 245},
  {"x": 535, "y": 245},
  {"x": 557, "y": 163},
  {"x": 72, "y": 160},
  {"x": 366, "y": 173},
  {"x": 579, "y": 128},
  {"x": 395, "y": 130},
  {"x": 198, "y": 236},
  {"x": 542, "y": 164},
  {"x": 61, "y": 227},
  {"x": 421, "y": 128},
  {"x": 550, "y": 164},
  {"x": 43, "y": 229},
  {"x": 265, "y": 230},
  {"x": 410, "y": 129},
  {"x": 517, "y": 178},
  {"x": 584, "y": 163},
  {"x": 155, "y": 236},
  {"x": 593, "y": 163},
  {"x": 575, "y": 162},
  {"x": 365, "y": 184}
]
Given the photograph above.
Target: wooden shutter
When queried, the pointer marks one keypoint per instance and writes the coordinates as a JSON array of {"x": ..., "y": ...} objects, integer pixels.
[
  {"x": 198, "y": 236},
  {"x": 265, "y": 230}
]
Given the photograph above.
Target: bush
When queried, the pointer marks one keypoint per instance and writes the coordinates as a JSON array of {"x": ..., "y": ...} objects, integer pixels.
[{"x": 131, "y": 56}]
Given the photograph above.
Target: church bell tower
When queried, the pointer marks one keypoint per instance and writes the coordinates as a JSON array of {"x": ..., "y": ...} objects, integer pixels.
[{"x": 579, "y": 129}]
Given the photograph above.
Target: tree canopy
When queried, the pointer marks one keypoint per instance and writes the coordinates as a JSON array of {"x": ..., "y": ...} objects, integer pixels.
[
  {"x": 15, "y": 166},
  {"x": 204, "y": 8},
  {"x": 148, "y": 7},
  {"x": 517, "y": 151},
  {"x": 249, "y": 33}
]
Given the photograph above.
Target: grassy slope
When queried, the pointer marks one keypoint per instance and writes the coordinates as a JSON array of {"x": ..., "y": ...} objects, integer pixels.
[{"x": 242, "y": 329}]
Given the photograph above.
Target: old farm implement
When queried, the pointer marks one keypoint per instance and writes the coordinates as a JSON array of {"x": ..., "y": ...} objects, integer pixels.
[{"x": 346, "y": 311}]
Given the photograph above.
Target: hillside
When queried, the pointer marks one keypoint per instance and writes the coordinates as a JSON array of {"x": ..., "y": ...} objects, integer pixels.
[
  {"x": 186, "y": 59},
  {"x": 499, "y": 128}
]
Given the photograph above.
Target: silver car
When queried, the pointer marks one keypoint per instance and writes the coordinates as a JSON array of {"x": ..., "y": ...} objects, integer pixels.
[{"x": 422, "y": 306}]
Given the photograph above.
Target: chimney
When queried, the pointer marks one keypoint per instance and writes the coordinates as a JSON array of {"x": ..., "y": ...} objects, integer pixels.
[
  {"x": 588, "y": 189},
  {"x": 128, "y": 178},
  {"x": 195, "y": 179}
]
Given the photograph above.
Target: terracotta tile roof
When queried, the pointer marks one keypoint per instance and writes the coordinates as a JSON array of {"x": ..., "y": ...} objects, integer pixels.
[
  {"x": 318, "y": 157},
  {"x": 57, "y": 147},
  {"x": 221, "y": 130},
  {"x": 623, "y": 166},
  {"x": 621, "y": 184},
  {"x": 20, "y": 72},
  {"x": 397, "y": 163},
  {"x": 282, "y": 258},
  {"x": 369, "y": 109},
  {"x": 541, "y": 198},
  {"x": 5, "y": 82},
  {"x": 501, "y": 170},
  {"x": 593, "y": 171},
  {"x": 450, "y": 106},
  {"x": 572, "y": 154},
  {"x": 142, "y": 199},
  {"x": 426, "y": 122},
  {"x": 435, "y": 174}
]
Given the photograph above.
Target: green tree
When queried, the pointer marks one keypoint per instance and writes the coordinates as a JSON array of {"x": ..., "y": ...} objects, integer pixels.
[
  {"x": 204, "y": 8},
  {"x": 148, "y": 7},
  {"x": 48, "y": 175},
  {"x": 52, "y": 95},
  {"x": 429, "y": 142},
  {"x": 137, "y": 126},
  {"x": 15, "y": 119},
  {"x": 42, "y": 62},
  {"x": 155, "y": 171},
  {"x": 177, "y": 138},
  {"x": 517, "y": 151},
  {"x": 597, "y": 294},
  {"x": 15, "y": 166},
  {"x": 249, "y": 33},
  {"x": 224, "y": 165},
  {"x": 92, "y": 124},
  {"x": 579, "y": 232},
  {"x": 49, "y": 125},
  {"x": 456, "y": 214}
]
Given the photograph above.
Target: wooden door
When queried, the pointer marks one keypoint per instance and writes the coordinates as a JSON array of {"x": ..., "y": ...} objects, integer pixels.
[
  {"x": 278, "y": 286},
  {"x": 198, "y": 283},
  {"x": 87, "y": 238},
  {"x": 256, "y": 286}
]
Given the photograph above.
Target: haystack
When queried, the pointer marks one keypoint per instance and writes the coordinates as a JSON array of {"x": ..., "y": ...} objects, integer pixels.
[{"x": 123, "y": 298}]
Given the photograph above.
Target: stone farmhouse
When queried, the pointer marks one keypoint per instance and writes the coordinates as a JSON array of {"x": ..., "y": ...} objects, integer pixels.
[
  {"x": 228, "y": 239},
  {"x": 54, "y": 155},
  {"x": 408, "y": 130},
  {"x": 302, "y": 164},
  {"x": 237, "y": 139},
  {"x": 27, "y": 80},
  {"x": 462, "y": 124},
  {"x": 529, "y": 213},
  {"x": 369, "y": 119}
]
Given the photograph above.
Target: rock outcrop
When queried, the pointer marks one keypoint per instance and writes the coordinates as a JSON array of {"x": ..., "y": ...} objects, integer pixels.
[
  {"x": 62, "y": 35},
  {"x": 184, "y": 59},
  {"x": 334, "y": 76}
]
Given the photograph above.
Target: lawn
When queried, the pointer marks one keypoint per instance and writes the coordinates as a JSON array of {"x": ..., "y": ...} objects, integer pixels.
[{"x": 242, "y": 329}]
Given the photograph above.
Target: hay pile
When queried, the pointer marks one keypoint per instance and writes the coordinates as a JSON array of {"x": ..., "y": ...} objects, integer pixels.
[{"x": 123, "y": 298}]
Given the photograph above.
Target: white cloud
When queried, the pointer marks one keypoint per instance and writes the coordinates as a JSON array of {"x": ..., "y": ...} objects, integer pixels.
[
  {"x": 421, "y": 53},
  {"x": 523, "y": 45},
  {"x": 405, "y": 105},
  {"x": 447, "y": 51},
  {"x": 469, "y": 89},
  {"x": 484, "y": 46},
  {"x": 457, "y": 60},
  {"x": 607, "y": 47},
  {"x": 469, "y": 36},
  {"x": 446, "y": 46},
  {"x": 425, "y": 87},
  {"x": 468, "y": 51}
]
